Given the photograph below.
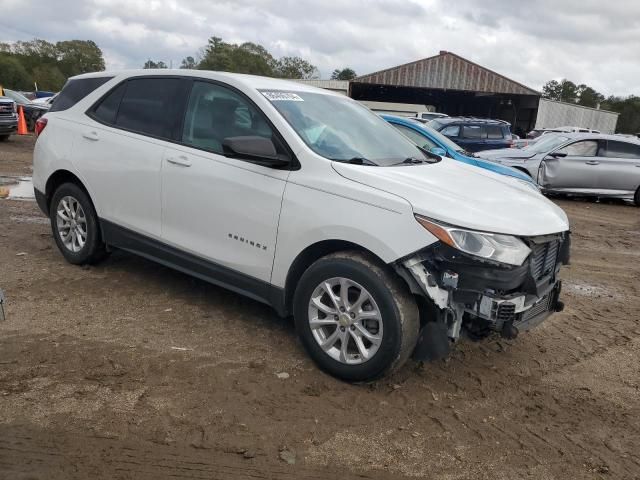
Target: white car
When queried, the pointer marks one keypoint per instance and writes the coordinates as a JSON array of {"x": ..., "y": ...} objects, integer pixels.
[{"x": 304, "y": 200}]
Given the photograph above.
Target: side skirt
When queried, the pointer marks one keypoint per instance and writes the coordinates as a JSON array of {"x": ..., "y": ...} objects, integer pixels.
[{"x": 151, "y": 249}]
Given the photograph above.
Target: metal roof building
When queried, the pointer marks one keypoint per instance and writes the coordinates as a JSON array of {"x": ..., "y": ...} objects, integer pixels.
[{"x": 453, "y": 85}]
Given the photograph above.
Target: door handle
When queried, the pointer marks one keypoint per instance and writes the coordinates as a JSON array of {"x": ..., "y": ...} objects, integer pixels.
[
  {"x": 92, "y": 135},
  {"x": 592, "y": 162},
  {"x": 181, "y": 160}
]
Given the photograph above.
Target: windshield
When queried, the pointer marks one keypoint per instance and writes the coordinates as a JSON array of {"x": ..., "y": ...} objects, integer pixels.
[
  {"x": 17, "y": 97},
  {"x": 341, "y": 129},
  {"x": 546, "y": 143},
  {"x": 442, "y": 139}
]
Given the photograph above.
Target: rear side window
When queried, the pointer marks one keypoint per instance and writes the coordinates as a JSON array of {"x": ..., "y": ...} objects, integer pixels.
[
  {"x": 151, "y": 106},
  {"x": 107, "y": 109},
  {"x": 76, "y": 90},
  {"x": 495, "y": 132},
  {"x": 622, "y": 150},
  {"x": 473, "y": 132}
]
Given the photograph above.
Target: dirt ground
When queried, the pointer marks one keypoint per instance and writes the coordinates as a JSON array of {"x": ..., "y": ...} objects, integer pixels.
[{"x": 131, "y": 370}]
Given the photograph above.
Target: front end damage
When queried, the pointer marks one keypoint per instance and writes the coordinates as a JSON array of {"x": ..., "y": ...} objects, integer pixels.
[{"x": 468, "y": 295}]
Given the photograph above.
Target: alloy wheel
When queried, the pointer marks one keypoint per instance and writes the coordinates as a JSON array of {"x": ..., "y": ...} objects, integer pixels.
[
  {"x": 345, "y": 321},
  {"x": 72, "y": 224}
]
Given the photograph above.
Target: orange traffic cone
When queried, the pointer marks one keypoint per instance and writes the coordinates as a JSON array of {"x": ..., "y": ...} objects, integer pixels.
[{"x": 22, "y": 124}]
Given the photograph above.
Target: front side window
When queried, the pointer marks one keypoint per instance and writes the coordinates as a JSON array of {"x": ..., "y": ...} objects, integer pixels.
[
  {"x": 451, "y": 131},
  {"x": 151, "y": 106},
  {"x": 341, "y": 129},
  {"x": 215, "y": 113},
  {"x": 415, "y": 137},
  {"x": 622, "y": 150},
  {"x": 585, "y": 148},
  {"x": 546, "y": 143}
]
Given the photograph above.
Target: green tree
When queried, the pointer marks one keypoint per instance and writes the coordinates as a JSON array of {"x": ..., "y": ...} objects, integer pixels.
[
  {"x": 562, "y": 91},
  {"x": 48, "y": 78},
  {"x": 588, "y": 97},
  {"x": 254, "y": 59},
  {"x": 151, "y": 64},
  {"x": 295, "y": 67},
  {"x": 629, "y": 110},
  {"x": 13, "y": 74},
  {"x": 343, "y": 74},
  {"x": 79, "y": 56},
  {"x": 189, "y": 62}
]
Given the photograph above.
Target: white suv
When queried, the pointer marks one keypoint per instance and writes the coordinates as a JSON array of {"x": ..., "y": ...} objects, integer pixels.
[{"x": 301, "y": 199}]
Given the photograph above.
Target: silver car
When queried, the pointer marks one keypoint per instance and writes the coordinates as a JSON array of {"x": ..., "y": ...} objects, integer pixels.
[{"x": 579, "y": 163}]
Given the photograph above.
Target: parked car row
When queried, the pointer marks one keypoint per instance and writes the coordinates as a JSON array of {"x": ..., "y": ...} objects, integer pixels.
[
  {"x": 381, "y": 247},
  {"x": 590, "y": 164},
  {"x": 32, "y": 111}
]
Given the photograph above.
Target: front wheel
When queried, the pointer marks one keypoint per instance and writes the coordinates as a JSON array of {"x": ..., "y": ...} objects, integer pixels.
[
  {"x": 355, "y": 318},
  {"x": 636, "y": 198}
]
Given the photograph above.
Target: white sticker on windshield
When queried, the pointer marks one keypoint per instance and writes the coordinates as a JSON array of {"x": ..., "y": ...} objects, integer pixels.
[{"x": 279, "y": 96}]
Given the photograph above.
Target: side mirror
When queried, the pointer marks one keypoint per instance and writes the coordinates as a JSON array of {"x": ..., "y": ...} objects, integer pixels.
[
  {"x": 558, "y": 154},
  {"x": 253, "y": 148},
  {"x": 441, "y": 152}
]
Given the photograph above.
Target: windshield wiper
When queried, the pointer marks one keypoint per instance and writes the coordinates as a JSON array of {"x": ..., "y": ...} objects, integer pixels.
[
  {"x": 410, "y": 161},
  {"x": 356, "y": 161}
]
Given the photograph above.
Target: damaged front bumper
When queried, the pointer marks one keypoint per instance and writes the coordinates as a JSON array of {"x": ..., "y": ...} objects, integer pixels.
[{"x": 476, "y": 297}]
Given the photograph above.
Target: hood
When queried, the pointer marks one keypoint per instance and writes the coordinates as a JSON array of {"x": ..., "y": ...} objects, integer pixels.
[
  {"x": 514, "y": 153},
  {"x": 466, "y": 196}
]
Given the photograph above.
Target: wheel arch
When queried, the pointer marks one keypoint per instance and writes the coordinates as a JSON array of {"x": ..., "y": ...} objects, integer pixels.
[
  {"x": 311, "y": 254},
  {"x": 59, "y": 177}
]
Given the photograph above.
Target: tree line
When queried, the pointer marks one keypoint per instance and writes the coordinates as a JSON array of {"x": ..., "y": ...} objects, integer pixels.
[
  {"x": 251, "y": 58},
  {"x": 25, "y": 64},
  {"x": 581, "y": 94}
]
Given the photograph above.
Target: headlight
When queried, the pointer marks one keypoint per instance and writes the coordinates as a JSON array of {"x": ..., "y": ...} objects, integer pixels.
[{"x": 493, "y": 246}]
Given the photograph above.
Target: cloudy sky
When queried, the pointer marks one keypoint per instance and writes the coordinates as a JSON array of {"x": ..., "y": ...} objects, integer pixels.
[{"x": 587, "y": 41}]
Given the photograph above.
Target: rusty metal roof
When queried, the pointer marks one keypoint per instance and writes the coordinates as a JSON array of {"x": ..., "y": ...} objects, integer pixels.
[{"x": 446, "y": 71}]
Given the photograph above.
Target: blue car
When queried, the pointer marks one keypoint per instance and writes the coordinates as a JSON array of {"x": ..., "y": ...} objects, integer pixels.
[{"x": 435, "y": 142}]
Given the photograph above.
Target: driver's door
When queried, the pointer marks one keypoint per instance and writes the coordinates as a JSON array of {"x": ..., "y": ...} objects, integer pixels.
[
  {"x": 575, "y": 167},
  {"x": 223, "y": 210}
]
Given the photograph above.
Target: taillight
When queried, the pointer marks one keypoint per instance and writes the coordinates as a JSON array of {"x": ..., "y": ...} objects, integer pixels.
[{"x": 40, "y": 124}]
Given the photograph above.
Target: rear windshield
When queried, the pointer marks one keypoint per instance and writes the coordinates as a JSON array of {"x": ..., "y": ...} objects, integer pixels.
[{"x": 75, "y": 90}]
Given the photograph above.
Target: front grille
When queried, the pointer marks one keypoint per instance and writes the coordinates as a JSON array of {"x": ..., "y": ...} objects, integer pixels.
[
  {"x": 542, "y": 306},
  {"x": 543, "y": 258},
  {"x": 506, "y": 312},
  {"x": 6, "y": 110}
]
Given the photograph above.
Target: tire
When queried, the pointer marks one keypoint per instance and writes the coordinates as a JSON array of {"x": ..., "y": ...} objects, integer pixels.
[
  {"x": 387, "y": 340},
  {"x": 67, "y": 199},
  {"x": 636, "y": 198},
  {"x": 4, "y": 138}
]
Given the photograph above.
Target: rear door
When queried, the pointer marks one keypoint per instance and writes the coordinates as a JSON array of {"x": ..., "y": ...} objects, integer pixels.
[
  {"x": 221, "y": 209},
  {"x": 119, "y": 150},
  {"x": 498, "y": 136},
  {"x": 473, "y": 137},
  {"x": 620, "y": 168},
  {"x": 577, "y": 171}
]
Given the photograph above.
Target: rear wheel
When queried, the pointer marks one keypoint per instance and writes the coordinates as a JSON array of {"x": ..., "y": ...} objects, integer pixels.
[
  {"x": 356, "y": 319},
  {"x": 636, "y": 198},
  {"x": 75, "y": 225}
]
